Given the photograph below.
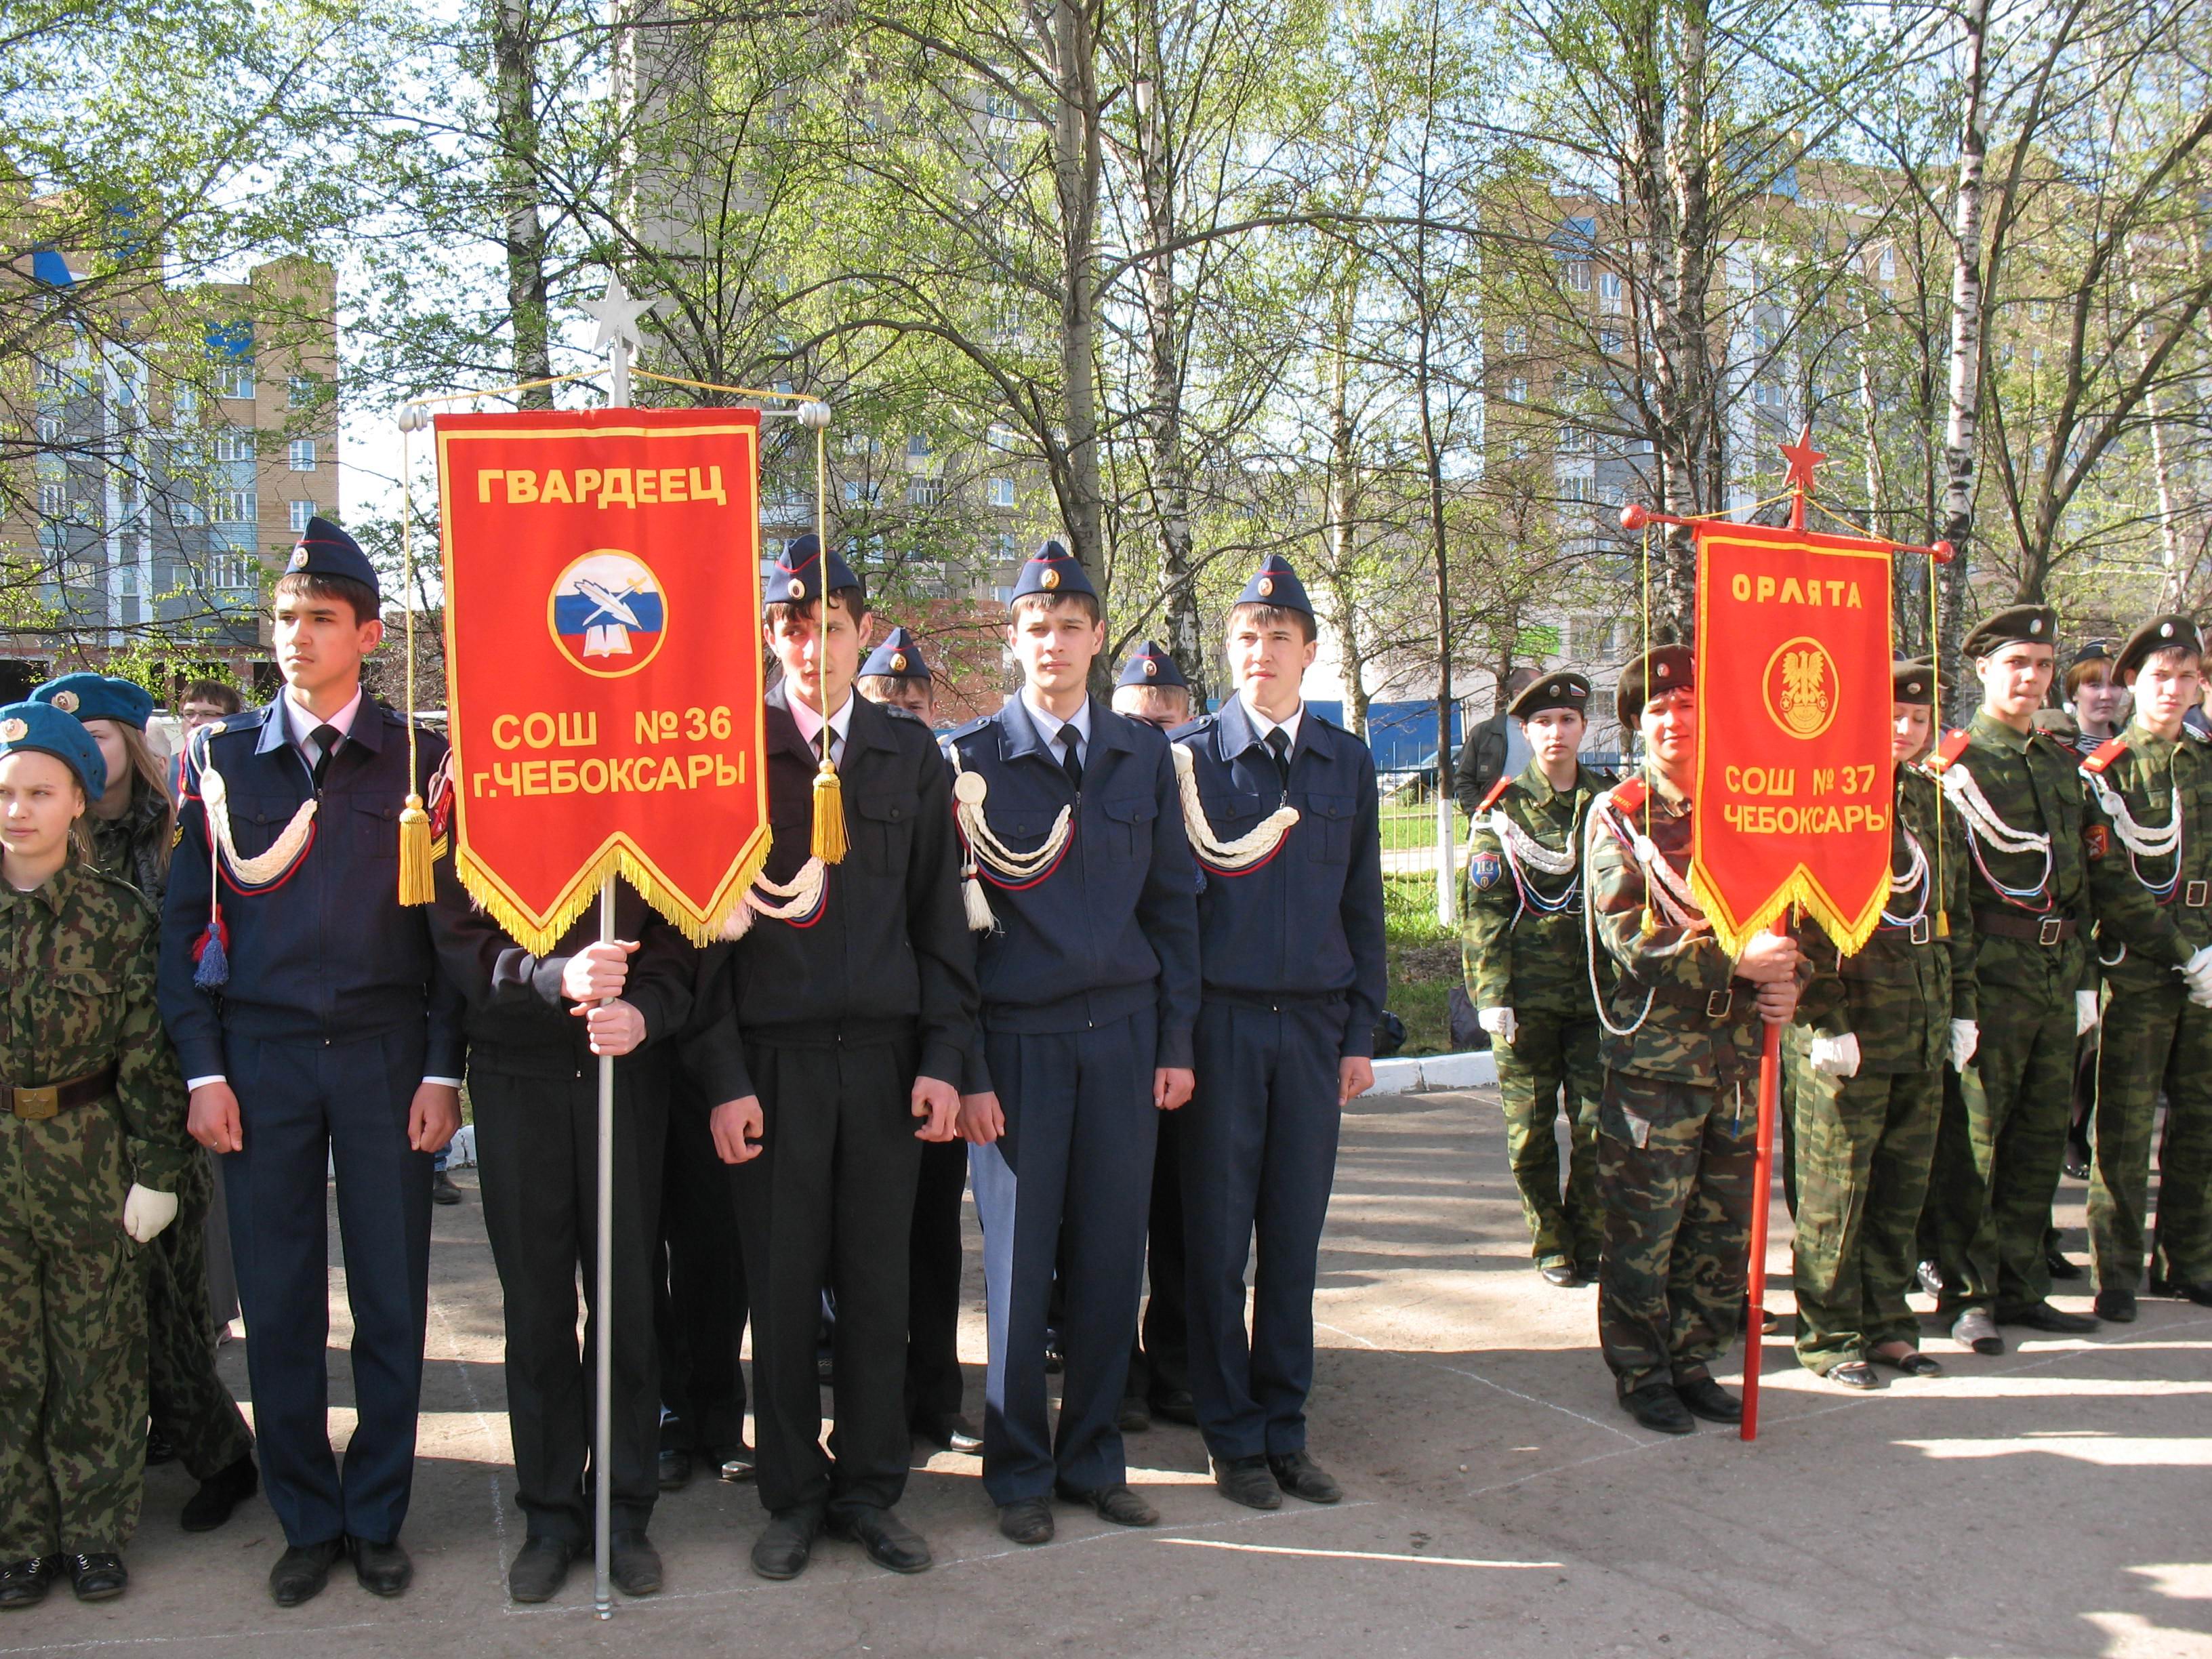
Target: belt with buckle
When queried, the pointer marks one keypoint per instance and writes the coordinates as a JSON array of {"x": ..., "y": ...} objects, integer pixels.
[
  {"x": 2037, "y": 930},
  {"x": 1714, "y": 1004},
  {"x": 1918, "y": 931},
  {"x": 2194, "y": 894},
  {"x": 36, "y": 1105}
]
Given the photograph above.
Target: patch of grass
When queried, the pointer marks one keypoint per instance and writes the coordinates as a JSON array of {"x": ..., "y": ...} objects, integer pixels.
[{"x": 1424, "y": 963}]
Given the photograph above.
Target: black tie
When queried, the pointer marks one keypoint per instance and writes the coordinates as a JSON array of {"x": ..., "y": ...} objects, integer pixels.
[
  {"x": 1279, "y": 743},
  {"x": 1070, "y": 762},
  {"x": 326, "y": 740}
]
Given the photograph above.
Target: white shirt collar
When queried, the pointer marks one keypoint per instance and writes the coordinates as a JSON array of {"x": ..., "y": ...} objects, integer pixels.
[
  {"x": 300, "y": 725},
  {"x": 1262, "y": 725},
  {"x": 809, "y": 721},
  {"x": 1048, "y": 724}
]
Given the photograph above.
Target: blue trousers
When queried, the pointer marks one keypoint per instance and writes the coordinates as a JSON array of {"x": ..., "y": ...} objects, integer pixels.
[
  {"x": 1078, "y": 1150},
  {"x": 301, "y": 1105},
  {"x": 1259, "y": 1157}
]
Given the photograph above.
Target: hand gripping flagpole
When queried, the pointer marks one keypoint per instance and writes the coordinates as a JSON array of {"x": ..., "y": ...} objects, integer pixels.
[{"x": 618, "y": 314}]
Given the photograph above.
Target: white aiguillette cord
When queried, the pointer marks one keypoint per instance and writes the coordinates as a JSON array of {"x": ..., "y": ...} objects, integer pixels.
[
  {"x": 798, "y": 897},
  {"x": 2144, "y": 843},
  {"x": 215, "y": 795},
  {"x": 968, "y": 794},
  {"x": 1255, "y": 845}
]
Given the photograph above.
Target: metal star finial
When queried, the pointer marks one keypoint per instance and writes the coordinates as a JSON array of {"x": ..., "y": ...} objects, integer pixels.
[
  {"x": 617, "y": 313},
  {"x": 1803, "y": 458}
]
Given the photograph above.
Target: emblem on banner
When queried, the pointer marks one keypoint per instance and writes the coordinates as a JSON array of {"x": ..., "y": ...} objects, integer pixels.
[
  {"x": 606, "y": 613},
  {"x": 1802, "y": 691}
]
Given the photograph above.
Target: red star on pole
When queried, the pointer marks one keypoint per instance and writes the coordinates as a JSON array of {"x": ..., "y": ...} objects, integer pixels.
[{"x": 1803, "y": 458}]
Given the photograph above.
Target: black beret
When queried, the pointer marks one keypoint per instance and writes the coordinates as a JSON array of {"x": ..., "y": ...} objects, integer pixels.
[
  {"x": 1662, "y": 669},
  {"x": 2171, "y": 632},
  {"x": 1556, "y": 690},
  {"x": 2019, "y": 624}
]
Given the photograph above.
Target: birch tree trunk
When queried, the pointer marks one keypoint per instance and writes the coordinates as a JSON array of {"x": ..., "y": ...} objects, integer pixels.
[
  {"x": 514, "y": 57},
  {"x": 1962, "y": 420}
]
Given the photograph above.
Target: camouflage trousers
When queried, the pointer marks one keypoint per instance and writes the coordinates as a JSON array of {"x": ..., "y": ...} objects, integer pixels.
[
  {"x": 191, "y": 1408},
  {"x": 1675, "y": 1173},
  {"x": 1999, "y": 1151},
  {"x": 72, "y": 1338},
  {"x": 1551, "y": 1065},
  {"x": 1864, "y": 1146},
  {"x": 2154, "y": 1038}
]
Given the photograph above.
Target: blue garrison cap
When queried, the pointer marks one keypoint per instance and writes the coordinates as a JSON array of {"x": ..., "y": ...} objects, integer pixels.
[
  {"x": 898, "y": 656},
  {"x": 1150, "y": 665},
  {"x": 1053, "y": 570},
  {"x": 47, "y": 729},
  {"x": 796, "y": 577},
  {"x": 1275, "y": 583},
  {"x": 325, "y": 550},
  {"x": 97, "y": 697}
]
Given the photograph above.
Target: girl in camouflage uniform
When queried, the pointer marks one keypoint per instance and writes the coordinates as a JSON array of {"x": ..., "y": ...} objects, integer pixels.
[{"x": 92, "y": 1147}]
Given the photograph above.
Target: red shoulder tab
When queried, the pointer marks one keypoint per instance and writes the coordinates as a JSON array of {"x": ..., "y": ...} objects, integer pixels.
[
  {"x": 2105, "y": 755},
  {"x": 1954, "y": 745},
  {"x": 1630, "y": 794},
  {"x": 1497, "y": 789}
]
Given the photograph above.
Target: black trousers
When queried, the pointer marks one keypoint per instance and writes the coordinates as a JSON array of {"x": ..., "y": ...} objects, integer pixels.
[
  {"x": 538, "y": 1156},
  {"x": 934, "y": 1383},
  {"x": 829, "y": 1200},
  {"x": 1160, "y": 1364},
  {"x": 699, "y": 1299}
]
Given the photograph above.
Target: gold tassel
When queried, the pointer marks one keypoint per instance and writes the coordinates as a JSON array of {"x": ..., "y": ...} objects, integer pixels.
[
  {"x": 829, "y": 816},
  {"x": 418, "y": 886},
  {"x": 1942, "y": 924}
]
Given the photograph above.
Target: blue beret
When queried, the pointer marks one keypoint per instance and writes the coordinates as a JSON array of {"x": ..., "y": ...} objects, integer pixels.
[
  {"x": 42, "y": 726},
  {"x": 1275, "y": 583},
  {"x": 97, "y": 697},
  {"x": 325, "y": 550},
  {"x": 1150, "y": 665},
  {"x": 898, "y": 656},
  {"x": 796, "y": 577},
  {"x": 1053, "y": 570}
]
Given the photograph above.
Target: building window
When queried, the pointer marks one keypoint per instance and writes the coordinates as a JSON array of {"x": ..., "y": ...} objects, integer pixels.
[
  {"x": 234, "y": 443},
  {"x": 54, "y": 501},
  {"x": 49, "y": 430},
  {"x": 1516, "y": 340},
  {"x": 862, "y": 492},
  {"x": 924, "y": 492},
  {"x": 302, "y": 451},
  {"x": 1001, "y": 436},
  {"x": 917, "y": 447},
  {"x": 1516, "y": 389},
  {"x": 999, "y": 492},
  {"x": 1609, "y": 290},
  {"x": 1578, "y": 274},
  {"x": 232, "y": 572},
  {"x": 233, "y": 380},
  {"x": 1576, "y": 489},
  {"x": 236, "y": 506},
  {"x": 1010, "y": 547},
  {"x": 302, "y": 391},
  {"x": 301, "y": 512}
]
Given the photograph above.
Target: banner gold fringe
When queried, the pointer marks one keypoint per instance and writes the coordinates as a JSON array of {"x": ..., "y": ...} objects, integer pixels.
[
  {"x": 583, "y": 890},
  {"x": 1848, "y": 933}
]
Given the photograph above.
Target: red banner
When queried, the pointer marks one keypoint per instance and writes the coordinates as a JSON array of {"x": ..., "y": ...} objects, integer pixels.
[
  {"x": 603, "y": 672},
  {"x": 1794, "y": 793}
]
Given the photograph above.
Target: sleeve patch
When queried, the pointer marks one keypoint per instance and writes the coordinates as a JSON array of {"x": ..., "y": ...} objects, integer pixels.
[
  {"x": 1483, "y": 870},
  {"x": 2096, "y": 841}
]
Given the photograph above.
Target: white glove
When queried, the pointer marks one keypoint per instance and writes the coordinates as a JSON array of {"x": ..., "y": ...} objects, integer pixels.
[
  {"x": 1966, "y": 1037},
  {"x": 2198, "y": 970},
  {"x": 146, "y": 1212},
  {"x": 1837, "y": 1056},
  {"x": 2201, "y": 996},
  {"x": 2084, "y": 1011},
  {"x": 1499, "y": 1022}
]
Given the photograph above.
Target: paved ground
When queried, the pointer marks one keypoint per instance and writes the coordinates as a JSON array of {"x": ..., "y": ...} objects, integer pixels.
[{"x": 2054, "y": 1502}]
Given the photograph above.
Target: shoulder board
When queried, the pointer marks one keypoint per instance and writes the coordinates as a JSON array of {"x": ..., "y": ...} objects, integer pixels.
[
  {"x": 2189, "y": 731},
  {"x": 1954, "y": 745},
  {"x": 1497, "y": 790},
  {"x": 969, "y": 730},
  {"x": 2105, "y": 755},
  {"x": 123, "y": 887},
  {"x": 1630, "y": 794}
]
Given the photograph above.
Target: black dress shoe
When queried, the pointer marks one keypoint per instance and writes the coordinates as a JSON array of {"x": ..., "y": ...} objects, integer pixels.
[
  {"x": 1117, "y": 1502},
  {"x": 1560, "y": 1274},
  {"x": 98, "y": 1577},
  {"x": 1136, "y": 1416},
  {"x": 1052, "y": 1358},
  {"x": 442, "y": 1190},
  {"x": 302, "y": 1571},
  {"x": 2199, "y": 1292},
  {"x": 2118, "y": 1306},
  {"x": 735, "y": 1465},
  {"x": 2062, "y": 1265},
  {"x": 158, "y": 1450},
  {"x": 219, "y": 1494},
  {"x": 675, "y": 1468},
  {"x": 1656, "y": 1406},
  {"x": 890, "y": 1543},
  {"x": 2077, "y": 1162},
  {"x": 1850, "y": 1374},
  {"x": 1176, "y": 1405},
  {"x": 383, "y": 1569},
  {"x": 952, "y": 1431},
  {"x": 24, "y": 1583},
  {"x": 2042, "y": 1316},
  {"x": 1707, "y": 1398},
  {"x": 1911, "y": 1362},
  {"x": 540, "y": 1571},
  {"x": 632, "y": 1563},
  {"x": 1249, "y": 1481},
  {"x": 1300, "y": 1476},
  {"x": 1026, "y": 1521},
  {"x": 786, "y": 1544}
]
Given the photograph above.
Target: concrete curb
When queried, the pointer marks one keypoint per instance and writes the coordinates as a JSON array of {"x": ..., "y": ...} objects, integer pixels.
[{"x": 1472, "y": 1070}]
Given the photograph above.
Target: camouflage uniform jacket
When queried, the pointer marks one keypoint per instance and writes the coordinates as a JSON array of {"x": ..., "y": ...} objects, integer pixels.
[
  {"x": 1693, "y": 1021},
  {"x": 2032, "y": 781},
  {"x": 2152, "y": 913},
  {"x": 1908, "y": 982},
  {"x": 132, "y": 846},
  {"x": 1524, "y": 940},
  {"x": 78, "y": 993}
]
